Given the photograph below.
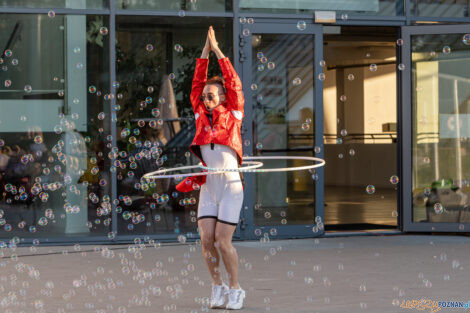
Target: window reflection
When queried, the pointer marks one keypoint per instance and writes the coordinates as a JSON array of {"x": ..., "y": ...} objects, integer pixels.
[
  {"x": 441, "y": 128},
  {"x": 52, "y": 156},
  {"x": 183, "y": 5},
  {"x": 51, "y": 4}
]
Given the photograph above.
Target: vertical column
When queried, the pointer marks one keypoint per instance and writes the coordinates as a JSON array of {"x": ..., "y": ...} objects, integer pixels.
[{"x": 75, "y": 102}]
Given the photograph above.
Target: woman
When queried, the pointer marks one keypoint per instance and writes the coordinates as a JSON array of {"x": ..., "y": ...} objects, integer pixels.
[{"x": 218, "y": 110}]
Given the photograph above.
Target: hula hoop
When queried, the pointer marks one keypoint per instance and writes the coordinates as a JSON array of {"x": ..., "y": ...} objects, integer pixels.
[
  {"x": 267, "y": 170},
  {"x": 157, "y": 174},
  {"x": 250, "y": 169}
]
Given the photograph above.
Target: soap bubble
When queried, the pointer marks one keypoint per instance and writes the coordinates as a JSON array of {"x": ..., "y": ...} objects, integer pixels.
[
  {"x": 155, "y": 112},
  {"x": 344, "y": 16},
  {"x": 250, "y": 20},
  {"x": 181, "y": 13},
  {"x": 246, "y": 32},
  {"x": 373, "y": 67},
  {"x": 394, "y": 179},
  {"x": 322, "y": 63},
  {"x": 370, "y": 189},
  {"x": 172, "y": 76},
  {"x": 343, "y": 98},
  {"x": 178, "y": 48},
  {"x": 51, "y": 14},
  {"x": 104, "y": 31},
  {"x": 260, "y": 67},
  {"x": 296, "y": 81},
  {"x": 8, "y": 53},
  {"x": 446, "y": 50},
  {"x": 7, "y": 83},
  {"x": 259, "y": 54},
  {"x": 344, "y": 132},
  {"x": 271, "y": 65},
  {"x": 438, "y": 208},
  {"x": 305, "y": 126},
  {"x": 254, "y": 86},
  {"x": 242, "y": 20},
  {"x": 401, "y": 66},
  {"x": 301, "y": 25},
  {"x": 263, "y": 59},
  {"x": 466, "y": 39},
  {"x": 92, "y": 89},
  {"x": 259, "y": 146},
  {"x": 28, "y": 88},
  {"x": 321, "y": 76},
  {"x": 400, "y": 42},
  {"x": 149, "y": 47},
  {"x": 350, "y": 76}
]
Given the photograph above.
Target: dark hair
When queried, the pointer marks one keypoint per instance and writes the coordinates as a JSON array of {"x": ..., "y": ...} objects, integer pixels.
[{"x": 216, "y": 80}]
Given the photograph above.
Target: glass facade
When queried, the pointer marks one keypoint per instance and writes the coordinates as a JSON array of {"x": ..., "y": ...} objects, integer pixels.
[
  {"x": 180, "y": 5},
  {"x": 54, "y": 173},
  {"x": 343, "y": 8},
  {"x": 76, "y": 135},
  {"x": 440, "y": 8},
  {"x": 51, "y": 4},
  {"x": 283, "y": 89},
  {"x": 441, "y": 133}
]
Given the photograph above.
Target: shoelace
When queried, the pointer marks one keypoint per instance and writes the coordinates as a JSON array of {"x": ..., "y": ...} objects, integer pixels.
[
  {"x": 233, "y": 294},
  {"x": 216, "y": 292}
]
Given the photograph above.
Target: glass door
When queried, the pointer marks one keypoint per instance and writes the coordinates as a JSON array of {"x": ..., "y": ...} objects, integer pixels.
[
  {"x": 283, "y": 79},
  {"x": 436, "y": 128}
]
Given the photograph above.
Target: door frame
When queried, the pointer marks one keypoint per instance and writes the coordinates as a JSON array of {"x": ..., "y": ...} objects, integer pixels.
[
  {"x": 245, "y": 229},
  {"x": 405, "y": 128}
]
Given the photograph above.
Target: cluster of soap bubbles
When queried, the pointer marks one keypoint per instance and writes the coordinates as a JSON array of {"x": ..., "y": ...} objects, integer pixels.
[{"x": 187, "y": 201}]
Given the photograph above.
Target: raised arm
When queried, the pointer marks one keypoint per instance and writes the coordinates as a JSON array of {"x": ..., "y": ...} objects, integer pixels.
[
  {"x": 200, "y": 75},
  {"x": 233, "y": 84}
]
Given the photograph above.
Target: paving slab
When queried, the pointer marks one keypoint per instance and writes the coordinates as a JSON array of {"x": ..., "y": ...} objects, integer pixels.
[{"x": 340, "y": 274}]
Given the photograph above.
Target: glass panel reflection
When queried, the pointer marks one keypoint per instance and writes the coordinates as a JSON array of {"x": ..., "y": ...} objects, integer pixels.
[
  {"x": 52, "y": 156},
  {"x": 343, "y": 8},
  {"x": 69, "y": 4},
  {"x": 441, "y": 8},
  {"x": 156, "y": 58},
  {"x": 283, "y": 93},
  {"x": 441, "y": 128},
  {"x": 180, "y": 5}
]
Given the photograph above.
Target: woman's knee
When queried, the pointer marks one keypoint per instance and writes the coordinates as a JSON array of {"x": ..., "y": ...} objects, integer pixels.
[
  {"x": 208, "y": 241},
  {"x": 224, "y": 244}
]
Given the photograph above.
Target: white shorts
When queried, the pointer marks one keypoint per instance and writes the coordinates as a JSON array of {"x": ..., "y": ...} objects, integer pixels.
[{"x": 221, "y": 197}]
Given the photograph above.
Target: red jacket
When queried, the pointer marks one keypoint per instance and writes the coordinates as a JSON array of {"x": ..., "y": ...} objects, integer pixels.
[{"x": 226, "y": 117}]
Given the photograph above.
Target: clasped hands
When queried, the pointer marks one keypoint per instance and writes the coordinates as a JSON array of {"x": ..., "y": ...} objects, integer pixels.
[{"x": 211, "y": 45}]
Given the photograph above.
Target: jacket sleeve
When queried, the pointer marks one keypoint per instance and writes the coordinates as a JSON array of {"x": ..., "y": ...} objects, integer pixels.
[
  {"x": 199, "y": 81},
  {"x": 233, "y": 86}
]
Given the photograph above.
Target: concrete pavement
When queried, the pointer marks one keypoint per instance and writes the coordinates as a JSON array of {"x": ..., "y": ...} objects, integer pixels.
[{"x": 341, "y": 274}]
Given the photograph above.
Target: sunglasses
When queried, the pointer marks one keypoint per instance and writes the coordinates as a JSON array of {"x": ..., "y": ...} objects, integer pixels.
[{"x": 209, "y": 97}]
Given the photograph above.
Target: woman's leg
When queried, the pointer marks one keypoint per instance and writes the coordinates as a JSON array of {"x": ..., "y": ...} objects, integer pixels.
[
  {"x": 211, "y": 256},
  {"x": 223, "y": 238}
]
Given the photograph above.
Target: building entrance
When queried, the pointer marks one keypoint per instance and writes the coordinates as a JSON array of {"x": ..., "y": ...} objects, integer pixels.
[{"x": 360, "y": 133}]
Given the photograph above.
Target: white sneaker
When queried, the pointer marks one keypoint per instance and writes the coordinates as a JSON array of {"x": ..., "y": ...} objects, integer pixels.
[
  {"x": 218, "y": 295},
  {"x": 235, "y": 299}
]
